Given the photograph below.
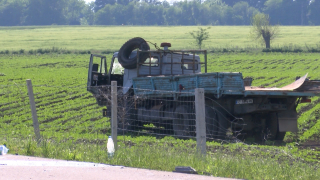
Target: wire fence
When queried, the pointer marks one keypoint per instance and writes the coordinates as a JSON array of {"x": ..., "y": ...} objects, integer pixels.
[{"x": 70, "y": 112}]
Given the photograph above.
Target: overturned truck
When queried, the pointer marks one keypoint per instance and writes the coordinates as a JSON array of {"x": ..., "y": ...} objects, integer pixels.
[{"x": 157, "y": 82}]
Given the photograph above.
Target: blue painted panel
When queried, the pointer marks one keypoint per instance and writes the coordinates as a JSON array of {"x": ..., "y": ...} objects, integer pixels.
[
  {"x": 213, "y": 83},
  {"x": 163, "y": 84},
  {"x": 231, "y": 81}
]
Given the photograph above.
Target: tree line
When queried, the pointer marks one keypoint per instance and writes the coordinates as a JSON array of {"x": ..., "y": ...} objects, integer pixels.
[{"x": 155, "y": 12}]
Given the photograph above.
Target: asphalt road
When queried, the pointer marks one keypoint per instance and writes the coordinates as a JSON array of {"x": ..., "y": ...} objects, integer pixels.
[{"x": 25, "y": 167}]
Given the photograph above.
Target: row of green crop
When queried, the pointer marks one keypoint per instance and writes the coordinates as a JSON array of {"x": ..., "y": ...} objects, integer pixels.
[{"x": 60, "y": 89}]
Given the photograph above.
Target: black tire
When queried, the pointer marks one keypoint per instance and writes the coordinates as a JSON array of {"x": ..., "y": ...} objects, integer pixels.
[
  {"x": 124, "y": 58},
  {"x": 184, "y": 121}
]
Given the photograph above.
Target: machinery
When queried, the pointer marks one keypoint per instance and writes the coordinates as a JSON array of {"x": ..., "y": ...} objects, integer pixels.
[{"x": 165, "y": 77}]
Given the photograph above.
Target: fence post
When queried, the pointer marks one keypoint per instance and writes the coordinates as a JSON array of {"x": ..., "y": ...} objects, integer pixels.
[
  {"x": 33, "y": 111},
  {"x": 200, "y": 120},
  {"x": 114, "y": 112}
]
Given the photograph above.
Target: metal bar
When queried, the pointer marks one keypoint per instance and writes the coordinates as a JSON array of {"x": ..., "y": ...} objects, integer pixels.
[
  {"x": 182, "y": 61},
  {"x": 194, "y": 56},
  {"x": 33, "y": 111},
  {"x": 175, "y": 51},
  {"x": 149, "y": 65},
  {"x": 205, "y": 60},
  {"x": 138, "y": 64},
  {"x": 105, "y": 66},
  {"x": 200, "y": 121},
  {"x": 96, "y": 55},
  {"x": 114, "y": 112},
  {"x": 171, "y": 61},
  {"x": 101, "y": 65},
  {"x": 160, "y": 61}
]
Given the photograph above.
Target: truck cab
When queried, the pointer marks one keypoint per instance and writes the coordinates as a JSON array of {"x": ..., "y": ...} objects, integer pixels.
[{"x": 159, "y": 63}]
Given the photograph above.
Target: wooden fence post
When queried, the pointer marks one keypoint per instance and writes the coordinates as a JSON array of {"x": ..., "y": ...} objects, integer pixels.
[
  {"x": 200, "y": 120},
  {"x": 114, "y": 112},
  {"x": 33, "y": 111}
]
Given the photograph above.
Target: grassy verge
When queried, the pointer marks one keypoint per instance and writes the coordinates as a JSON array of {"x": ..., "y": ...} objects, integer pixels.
[{"x": 231, "y": 160}]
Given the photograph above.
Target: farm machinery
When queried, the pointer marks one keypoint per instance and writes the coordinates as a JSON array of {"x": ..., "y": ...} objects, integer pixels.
[{"x": 156, "y": 80}]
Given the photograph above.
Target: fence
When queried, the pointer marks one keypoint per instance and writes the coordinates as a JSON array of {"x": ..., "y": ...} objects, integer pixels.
[{"x": 70, "y": 112}]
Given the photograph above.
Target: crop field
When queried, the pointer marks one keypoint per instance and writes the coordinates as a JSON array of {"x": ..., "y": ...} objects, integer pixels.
[
  {"x": 72, "y": 125},
  {"x": 68, "y": 114},
  {"x": 110, "y": 38},
  {"x": 60, "y": 88}
]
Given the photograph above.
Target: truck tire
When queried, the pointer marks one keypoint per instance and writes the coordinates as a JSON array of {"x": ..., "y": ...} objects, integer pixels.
[
  {"x": 184, "y": 121},
  {"x": 124, "y": 58}
]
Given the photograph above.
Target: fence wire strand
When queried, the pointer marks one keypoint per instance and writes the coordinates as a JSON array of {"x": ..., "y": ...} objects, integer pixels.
[{"x": 73, "y": 111}]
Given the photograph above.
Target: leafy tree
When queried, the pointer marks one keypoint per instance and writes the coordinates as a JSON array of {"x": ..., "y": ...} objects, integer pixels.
[
  {"x": 314, "y": 12},
  {"x": 88, "y": 14},
  {"x": 173, "y": 15},
  {"x": 74, "y": 11},
  {"x": 262, "y": 30},
  {"x": 99, "y": 4},
  {"x": 11, "y": 12},
  {"x": 253, "y": 3},
  {"x": 105, "y": 16},
  {"x": 40, "y": 12},
  {"x": 200, "y": 35}
]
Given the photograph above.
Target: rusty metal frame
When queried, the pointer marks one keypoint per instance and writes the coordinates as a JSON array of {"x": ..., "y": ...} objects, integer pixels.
[{"x": 163, "y": 52}]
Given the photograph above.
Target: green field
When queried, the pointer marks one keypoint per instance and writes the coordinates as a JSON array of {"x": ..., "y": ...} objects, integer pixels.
[
  {"x": 60, "y": 84},
  {"x": 73, "y": 127},
  {"x": 101, "y": 38},
  {"x": 72, "y": 124}
]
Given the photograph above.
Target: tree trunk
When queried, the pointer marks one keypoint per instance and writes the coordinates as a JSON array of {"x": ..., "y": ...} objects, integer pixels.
[{"x": 267, "y": 41}]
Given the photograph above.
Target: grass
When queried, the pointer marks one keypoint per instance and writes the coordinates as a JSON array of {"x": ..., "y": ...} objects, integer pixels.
[
  {"x": 73, "y": 128},
  {"x": 110, "y": 38},
  {"x": 233, "y": 160},
  {"x": 60, "y": 86}
]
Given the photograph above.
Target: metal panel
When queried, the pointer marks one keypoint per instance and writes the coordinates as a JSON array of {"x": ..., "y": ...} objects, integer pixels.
[
  {"x": 231, "y": 81},
  {"x": 288, "y": 121},
  {"x": 213, "y": 83},
  {"x": 163, "y": 84}
]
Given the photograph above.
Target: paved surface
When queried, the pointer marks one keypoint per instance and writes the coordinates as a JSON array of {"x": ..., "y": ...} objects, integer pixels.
[{"x": 25, "y": 167}]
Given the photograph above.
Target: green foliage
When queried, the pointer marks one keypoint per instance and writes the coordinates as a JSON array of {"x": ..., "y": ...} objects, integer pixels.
[
  {"x": 262, "y": 30},
  {"x": 127, "y": 12},
  {"x": 200, "y": 35},
  {"x": 30, "y": 148}
]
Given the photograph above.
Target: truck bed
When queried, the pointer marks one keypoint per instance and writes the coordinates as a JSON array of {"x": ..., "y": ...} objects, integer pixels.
[{"x": 218, "y": 84}]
